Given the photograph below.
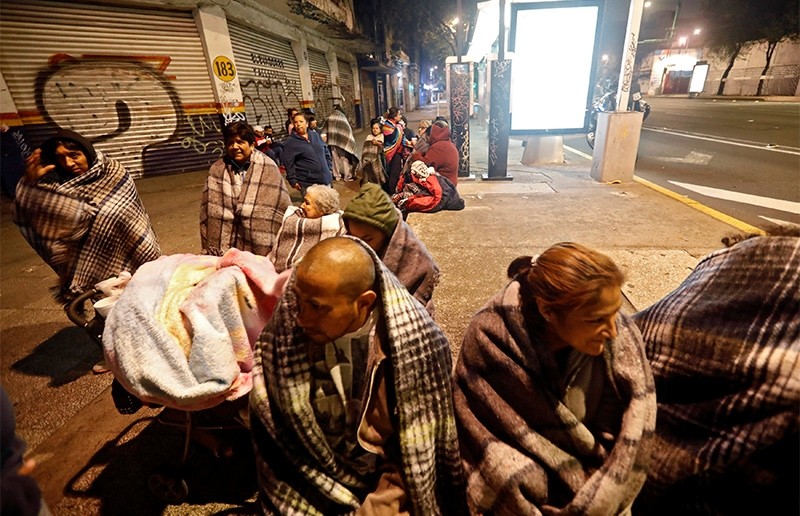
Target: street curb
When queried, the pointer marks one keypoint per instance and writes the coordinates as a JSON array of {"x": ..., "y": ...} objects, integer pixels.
[{"x": 727, "y": 219}]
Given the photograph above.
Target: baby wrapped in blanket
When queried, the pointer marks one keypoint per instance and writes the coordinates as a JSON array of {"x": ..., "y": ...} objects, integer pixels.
[{"x": 182, "y": 332}]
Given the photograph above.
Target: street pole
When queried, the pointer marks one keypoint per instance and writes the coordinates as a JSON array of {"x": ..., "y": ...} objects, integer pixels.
[
  {"x": 629, "y": 54},
  {"x": 460, "y": 90}
]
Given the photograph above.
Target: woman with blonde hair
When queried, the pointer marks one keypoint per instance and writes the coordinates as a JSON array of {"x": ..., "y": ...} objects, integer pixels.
[{"x": 554, "y": 396}]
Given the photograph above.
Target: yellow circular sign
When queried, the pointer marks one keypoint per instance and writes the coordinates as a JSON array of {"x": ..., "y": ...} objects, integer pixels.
[{"x": 224, "y": 69}]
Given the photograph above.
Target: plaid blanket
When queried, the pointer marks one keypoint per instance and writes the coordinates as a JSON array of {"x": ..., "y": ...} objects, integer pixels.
[
  {"x": 304, "y": 476},
  {"x": 372, "y": 168},
  {"x": 408, "y": 259},
  {"x": 523, "y": 449},
  {"x": 340, "y": 134},
  {"x": 250, "y": 221},
  {"x": 88, "y": 227},
  {"x": 298, "y": 234},
  {"x": 725, "y": 353}
]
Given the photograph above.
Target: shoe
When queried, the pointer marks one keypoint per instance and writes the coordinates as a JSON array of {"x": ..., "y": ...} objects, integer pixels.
[{"x": 101, "y": 367}]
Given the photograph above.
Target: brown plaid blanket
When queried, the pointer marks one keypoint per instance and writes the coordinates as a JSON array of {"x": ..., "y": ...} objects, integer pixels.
[
  {"x": 298, "y": 234},
  {"x": 412, "y": 263},
  {"x": 524, "y": 451},
  {"x": 88, "y": 227},
  {"x": 725, "y": 353},
  {"x": 249, "y": 222},
  {"x": 304, "y": 476}
]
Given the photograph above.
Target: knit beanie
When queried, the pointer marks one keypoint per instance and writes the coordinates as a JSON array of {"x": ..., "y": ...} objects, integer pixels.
[{"x": 372, "y": 206}]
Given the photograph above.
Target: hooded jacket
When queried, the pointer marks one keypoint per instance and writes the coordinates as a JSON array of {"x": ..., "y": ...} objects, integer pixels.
[{"x": 442, "y": 154}]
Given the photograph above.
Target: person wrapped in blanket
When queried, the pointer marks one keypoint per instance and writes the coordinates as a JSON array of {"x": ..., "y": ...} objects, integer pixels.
[
  {"x": 725, "y": 351},
  {"x": 422, "y": 189},
  {"x": 554, "y": 396},
  {"x": 342, "y": 145},
  {"x": 372, "y": 168},
  {"x": 244, "y": 198},
  {"x": 372, "y": 217},
  {"x": 79, "y": 210},
  {"x": 351, "y": 407},
  {"x": 318, "y": 218}
]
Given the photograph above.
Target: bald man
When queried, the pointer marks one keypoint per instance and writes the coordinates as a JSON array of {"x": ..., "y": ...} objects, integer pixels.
[{"x": 351, "y": 408}]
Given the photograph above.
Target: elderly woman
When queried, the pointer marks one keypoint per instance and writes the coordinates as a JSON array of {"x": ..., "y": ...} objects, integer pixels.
[
  {"x": 554, "y": 397},
  {"x": 318, "y": 218},
  {"x": 80, "y": 211}
]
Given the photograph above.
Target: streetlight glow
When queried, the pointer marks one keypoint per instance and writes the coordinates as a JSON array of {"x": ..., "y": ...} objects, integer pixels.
[
  {"x": 648, "y": 4},
  {"x": 697, "y": 31},
  {"x": 682, "y": 40}
]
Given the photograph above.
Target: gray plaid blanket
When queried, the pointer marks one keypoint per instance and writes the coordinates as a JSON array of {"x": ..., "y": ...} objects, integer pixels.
[
  {"x": 304, "y": 476},
  {"x": 340, "y": 134},
  {"x": 725, "y": 353},
  {"x": 412, "y": 263},
  {"x": 249, "y": 222},
  {"x": 87, "y": 228},
  {"x": 298, "y": 234},
  {"x": 524, "y": 451}
]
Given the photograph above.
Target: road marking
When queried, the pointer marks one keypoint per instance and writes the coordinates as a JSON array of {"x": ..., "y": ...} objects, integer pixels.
[
  {"x": 727, "y": 219},
  {"x": 579, "y": 153},
  {"x": 750, "y": 145},
  {"x": 755, "y": 200},
  {"x": 779, "y": 222},
  {"x": 693, "y": 158}
]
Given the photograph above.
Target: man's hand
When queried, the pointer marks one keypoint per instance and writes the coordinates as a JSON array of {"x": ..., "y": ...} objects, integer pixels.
[
  {"x": 34, "y": 169},
  {"x": 297, "y": 187}
]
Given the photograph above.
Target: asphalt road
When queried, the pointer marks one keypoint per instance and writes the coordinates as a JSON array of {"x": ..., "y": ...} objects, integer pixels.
[{"x": 740, "y": 157}]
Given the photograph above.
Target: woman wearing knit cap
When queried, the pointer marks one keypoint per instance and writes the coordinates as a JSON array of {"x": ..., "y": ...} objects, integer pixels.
[
  {"x": 79, "y": 210},
  {"x": 372, "y": 217}
]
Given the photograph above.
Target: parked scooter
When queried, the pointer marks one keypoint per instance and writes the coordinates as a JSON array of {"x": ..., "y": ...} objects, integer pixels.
[{"x": 607, "y": 101}]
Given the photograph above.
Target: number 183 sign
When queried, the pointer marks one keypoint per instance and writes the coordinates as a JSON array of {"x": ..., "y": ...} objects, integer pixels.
[{"x": 224, "y": 69}]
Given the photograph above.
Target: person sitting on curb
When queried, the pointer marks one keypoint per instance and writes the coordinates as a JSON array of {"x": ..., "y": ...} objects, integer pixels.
[
  {"x": 554, "y": 396},
  {"x": 318, "y": 218},
  {"x": 442, "y": 153},
  {"x": 305, "y": 156},
  {"x": 244, "y": 198},
  {"x": 351, "y": 407},
  {"x": 372, "y": 217},
  {"x": 79, "y": 210},
  {"x": 725, "y": 351}
]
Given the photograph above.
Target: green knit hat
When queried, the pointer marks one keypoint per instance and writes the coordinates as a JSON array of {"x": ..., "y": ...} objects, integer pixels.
[{"x": 372, "y": 206}]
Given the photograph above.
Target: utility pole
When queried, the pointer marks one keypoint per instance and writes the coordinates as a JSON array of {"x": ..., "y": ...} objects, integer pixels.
[{"x": 499, "y": 105}]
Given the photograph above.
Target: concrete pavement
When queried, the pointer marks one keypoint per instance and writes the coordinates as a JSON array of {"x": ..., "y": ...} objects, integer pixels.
[{"x": 93, "y": 460}]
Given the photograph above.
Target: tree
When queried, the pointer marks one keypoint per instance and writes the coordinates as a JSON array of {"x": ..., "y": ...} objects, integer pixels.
[
  {"x": 780, "y": 22},
  {"x": 739, "y": 24},
  {"x": 730, "y": 33}
]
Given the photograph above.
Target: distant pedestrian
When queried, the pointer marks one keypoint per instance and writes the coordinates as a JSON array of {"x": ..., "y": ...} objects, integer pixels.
[
  {"x": 80, "y": 211},
  {"x": 244, "y": 198},
  {"x": 305, "y": 156},
  {"x": 342, "y": 145},
  {"x": 393, "y": 143}
]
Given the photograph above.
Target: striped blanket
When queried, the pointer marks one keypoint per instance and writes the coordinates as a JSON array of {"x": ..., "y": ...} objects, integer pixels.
[
  {"x": 525, "y": 452},
  {"x": 249, "y": 221},
  {"x": 725, "y": 353},
  {"x": 298, "y": 234},
  {"x": 88, "y": 227},
  {"x": 183, "y": 330},
  {"x": 372, "y": 168},
  {"x": 304, "y": 475}
]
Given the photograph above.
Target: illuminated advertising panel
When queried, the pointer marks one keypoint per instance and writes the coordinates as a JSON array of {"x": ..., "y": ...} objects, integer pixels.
[{"x": 552, "y": 78}]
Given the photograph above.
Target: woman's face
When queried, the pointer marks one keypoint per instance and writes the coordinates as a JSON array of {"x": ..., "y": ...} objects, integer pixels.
[
  {"x": 376, "y": 129},
  {"x": 309, "y": 206},
  {"x": 588, "y": 328},
  {"x": 238, "y": 150},
  {"x": 71, "y": 160}
]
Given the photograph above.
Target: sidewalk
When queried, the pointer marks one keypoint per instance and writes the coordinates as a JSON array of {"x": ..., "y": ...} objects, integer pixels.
[{"x": 98, "y": 461}]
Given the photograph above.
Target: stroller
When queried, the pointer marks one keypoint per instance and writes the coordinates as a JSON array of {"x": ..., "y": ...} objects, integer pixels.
[{"x": 199, "y": 374}]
